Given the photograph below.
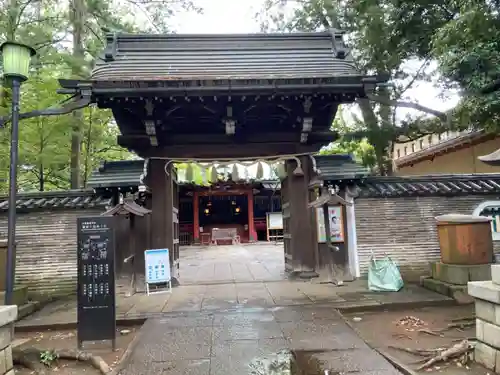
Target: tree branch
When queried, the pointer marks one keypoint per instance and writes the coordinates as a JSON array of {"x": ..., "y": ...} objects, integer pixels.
[
  {"x": 69, "y": 107},
  {"x": 396, "y": 103},
  {"x": 93, "y": 32},
  {"x": 414, "y": 79}
]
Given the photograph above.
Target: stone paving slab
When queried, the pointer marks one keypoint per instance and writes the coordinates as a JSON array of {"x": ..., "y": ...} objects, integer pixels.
[
  {"x": 232, "y": 263},
  {"x": 241, "y": 296},
  {"x": 235, "y": 341}
]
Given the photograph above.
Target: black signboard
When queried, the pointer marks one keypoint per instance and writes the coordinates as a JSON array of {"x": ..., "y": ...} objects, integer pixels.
[{"x": 96, "y": 279}]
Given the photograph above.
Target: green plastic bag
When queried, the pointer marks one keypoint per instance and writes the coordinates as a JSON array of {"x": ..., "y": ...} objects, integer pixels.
[{"x": 384, "y": 275}]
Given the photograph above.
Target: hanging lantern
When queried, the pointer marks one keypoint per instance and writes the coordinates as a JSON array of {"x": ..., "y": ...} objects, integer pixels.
[
  {"x": 298, "y": 171},
  {"x": 234, "y": 173},
  {"x": 214, "y": 177},
  {"x": 260, "y": 171},
  {"x": 281, "y": 171},
  {"x": 189, "y": 173},
  {"x": 203, "y": 175}
]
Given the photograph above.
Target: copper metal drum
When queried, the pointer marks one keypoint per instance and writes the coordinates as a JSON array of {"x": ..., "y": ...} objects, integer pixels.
[{"x": 465, "y": 239}]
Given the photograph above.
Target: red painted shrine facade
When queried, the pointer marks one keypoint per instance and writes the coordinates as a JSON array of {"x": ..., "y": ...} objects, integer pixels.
[
  {"x": 223, "y": 209},
  {"x": 241, "y": 206}
]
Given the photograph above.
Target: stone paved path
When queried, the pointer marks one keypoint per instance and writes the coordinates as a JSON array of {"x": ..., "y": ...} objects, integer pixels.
[
  {"x": 231, "y": 264},
  {"x": 207, "y": 298},
  {"x": 234, "y": 309},
  {"x": 222, "y": 343}
]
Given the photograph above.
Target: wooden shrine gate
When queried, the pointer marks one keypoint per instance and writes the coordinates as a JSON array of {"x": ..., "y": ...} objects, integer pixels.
[{"x": 215, "y": 97}]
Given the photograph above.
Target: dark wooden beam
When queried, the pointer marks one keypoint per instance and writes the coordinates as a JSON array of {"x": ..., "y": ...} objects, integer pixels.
[
  {"x": 350, "y": 90},
  {"x": 214, "y": 151},
  {"x": 132, "y": 140}
]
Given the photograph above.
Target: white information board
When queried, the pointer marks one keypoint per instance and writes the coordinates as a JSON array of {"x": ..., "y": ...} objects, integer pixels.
[
  {"x": 274, "y": 220},
  {"x": 336, "y": 224},
  {"x": 157, "y": 268}
]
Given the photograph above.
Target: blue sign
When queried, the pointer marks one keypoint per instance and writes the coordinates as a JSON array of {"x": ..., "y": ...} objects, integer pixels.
[{"x": 157, "y": 266}]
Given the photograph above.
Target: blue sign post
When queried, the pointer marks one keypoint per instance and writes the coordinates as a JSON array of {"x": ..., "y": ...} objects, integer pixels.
[{"x": 157, "y": 269}]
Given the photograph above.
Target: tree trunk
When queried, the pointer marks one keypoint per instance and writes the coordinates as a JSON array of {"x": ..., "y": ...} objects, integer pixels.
[
  {"x": 13, "y": 15},
  {"x": 387, "y": 130},
  {"x": 78, "y": 19},
  {"x": 41, "y": 180},
  {"x": 10, "y": 35},
  {"x": 88, "y": 147},
  {"x": 377, "y": 135}
]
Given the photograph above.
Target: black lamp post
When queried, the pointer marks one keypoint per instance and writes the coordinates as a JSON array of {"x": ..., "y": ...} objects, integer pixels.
[{"x": 16, "y": 64}]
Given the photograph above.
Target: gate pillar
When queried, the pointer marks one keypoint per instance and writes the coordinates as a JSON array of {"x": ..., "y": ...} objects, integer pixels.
[
  {"x": 302, "y": 241},
  {"x": 162, "y": 215}
]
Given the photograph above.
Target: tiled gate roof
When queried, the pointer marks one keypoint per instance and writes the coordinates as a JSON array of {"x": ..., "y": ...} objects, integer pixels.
[
  {"x": 410, "y": 186},
  {"x": 339, "y": 167},
  {"x": 114, "y": 174},
  {"x": 62, "y": 200},
  {"x": 225, "y": 56}
]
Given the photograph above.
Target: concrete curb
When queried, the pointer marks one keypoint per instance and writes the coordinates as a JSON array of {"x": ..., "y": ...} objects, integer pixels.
[
  {"x": 405, "y": 369},
  {"x": 396, "y": 306},
  {"x": 402, "y": 367},
  {"x": 128, "y": 352},
  {"x": 73, "y": 325},
  {"x": 355, "y": 308}
]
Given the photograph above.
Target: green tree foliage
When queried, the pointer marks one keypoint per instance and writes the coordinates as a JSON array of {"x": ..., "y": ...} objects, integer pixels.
[
  {"x": 61, "y": 152},
  {"x": 384, "y": 36},
  {"x": 361, "y": 149},
  {"x": 468, "y": 50}
]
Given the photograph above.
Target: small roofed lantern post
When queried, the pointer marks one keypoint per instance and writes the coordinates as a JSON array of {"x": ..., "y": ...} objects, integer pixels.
[
  {"x": 130, "y": 210},
  {"x": 327, "y": 198},
  {"x": 16, "y": 64}
]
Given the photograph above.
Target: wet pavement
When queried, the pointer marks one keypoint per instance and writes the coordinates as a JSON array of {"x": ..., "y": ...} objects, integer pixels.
[
  {"x": 236, "y": 313},
  {"x": 252, "y": 341},
  {"x": 263, "y": 261},
  {"x": 235, "y": 296}
]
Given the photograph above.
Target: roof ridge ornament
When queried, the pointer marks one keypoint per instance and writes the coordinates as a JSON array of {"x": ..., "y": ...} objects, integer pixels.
[
  {"x": 111, "y": 47},
  {"x": 339, "y": 47}
]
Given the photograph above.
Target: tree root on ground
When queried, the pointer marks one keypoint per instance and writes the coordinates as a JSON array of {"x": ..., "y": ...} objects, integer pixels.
[
  {"x": 457, "y": 350},
  {"x": 461, "y": 325},
  {"x": 434, "y": 356},
  {"x": 419, "y": 352},
  {"x": 30, "y": 359},
  {"x": 439, "y": 332},
  {"x": 464, "y": 318}
]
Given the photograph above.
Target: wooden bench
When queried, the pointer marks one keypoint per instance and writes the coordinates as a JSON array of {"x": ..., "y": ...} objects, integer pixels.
[{"x": 225, "y": 234}]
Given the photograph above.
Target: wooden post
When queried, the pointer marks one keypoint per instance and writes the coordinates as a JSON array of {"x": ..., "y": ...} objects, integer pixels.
[
  {"x": 302, "y": 235},
  {"x": 158, "y": 184},
  {"x": 267, "y": 226},
  {"x": 169, "y": 217},
  {"x": 162, "y": 215},
  {"x": 132, "y": 251},
  {"x": 251, "y": 225},
  {"x": 196, "y": 217}
]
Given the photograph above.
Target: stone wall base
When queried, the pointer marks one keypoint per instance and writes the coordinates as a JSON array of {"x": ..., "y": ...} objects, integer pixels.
[
  {"x": 460, "y": 274},
  {"x": 487, "y": 303},
  {"x": 452, "y": 279},
  {"x": 8, "y": 315},
  {"x": 487, "y": 356}
]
